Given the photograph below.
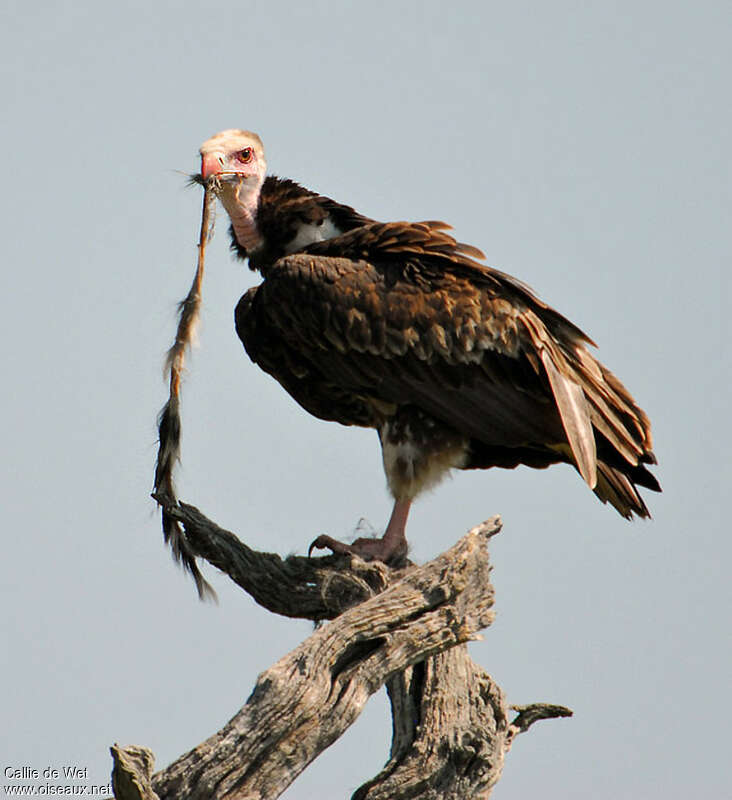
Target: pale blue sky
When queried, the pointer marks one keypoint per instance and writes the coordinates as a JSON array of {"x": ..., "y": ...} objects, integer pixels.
[{"x": 583, "y": 146}]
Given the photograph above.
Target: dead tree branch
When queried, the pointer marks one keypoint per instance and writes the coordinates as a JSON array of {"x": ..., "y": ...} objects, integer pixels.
[{"x": 406, "y": 629}]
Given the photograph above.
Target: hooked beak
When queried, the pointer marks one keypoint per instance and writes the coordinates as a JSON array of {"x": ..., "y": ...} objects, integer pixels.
[{"x": 211, "y": 164}]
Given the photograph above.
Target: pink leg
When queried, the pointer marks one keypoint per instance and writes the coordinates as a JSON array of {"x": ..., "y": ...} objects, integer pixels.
[
  {"x": 391, "y": 548},
  {"x": 396, "y": 531}
]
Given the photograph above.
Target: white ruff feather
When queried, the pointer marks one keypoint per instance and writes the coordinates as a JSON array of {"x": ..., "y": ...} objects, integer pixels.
[{"x": 308, "y": 234}]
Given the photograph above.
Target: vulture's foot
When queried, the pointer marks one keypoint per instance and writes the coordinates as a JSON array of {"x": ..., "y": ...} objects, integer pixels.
[
  {"x": 392, "y": 552},
  {"x": 391, "y": 548}
]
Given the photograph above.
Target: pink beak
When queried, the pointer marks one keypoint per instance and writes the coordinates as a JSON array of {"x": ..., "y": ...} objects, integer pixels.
[{"x": 210, "y": 165}]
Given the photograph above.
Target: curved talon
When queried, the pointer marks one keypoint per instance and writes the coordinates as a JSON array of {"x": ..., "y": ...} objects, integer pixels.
[
  {"x": 325, "y": 542},
  {"x": 366, "y": 549},
  {"x": 316, "y": 544}
]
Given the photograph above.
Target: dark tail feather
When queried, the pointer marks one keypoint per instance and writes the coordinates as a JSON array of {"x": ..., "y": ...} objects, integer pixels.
[{"x": 618, "y": 488}]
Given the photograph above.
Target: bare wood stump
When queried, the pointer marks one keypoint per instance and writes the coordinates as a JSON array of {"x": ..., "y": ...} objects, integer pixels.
[{"x": 404, "y": 628}]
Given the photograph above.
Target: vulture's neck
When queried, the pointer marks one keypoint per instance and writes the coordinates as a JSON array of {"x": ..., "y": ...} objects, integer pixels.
[{"x": 240, "y": 199}]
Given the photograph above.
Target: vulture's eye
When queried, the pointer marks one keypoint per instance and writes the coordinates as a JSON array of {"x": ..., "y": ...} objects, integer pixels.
[{"x": 245, "y": 155}]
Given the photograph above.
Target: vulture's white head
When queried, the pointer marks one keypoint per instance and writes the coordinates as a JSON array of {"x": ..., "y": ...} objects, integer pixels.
[
  {"x": 236, "y": 159},
  {"x": 233, "y": 153}
]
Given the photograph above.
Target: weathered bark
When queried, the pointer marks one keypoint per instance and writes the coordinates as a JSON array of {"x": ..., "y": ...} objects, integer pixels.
[
  {"x": 306, "y": 588},
  {"x": 132, "y": 772},
  {"x": 406, "y": 629}
]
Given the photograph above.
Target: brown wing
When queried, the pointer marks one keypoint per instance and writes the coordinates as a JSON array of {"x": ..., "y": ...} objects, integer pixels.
[
  {"x": 409, "y": 317},
  {"x": 275, "y": 352}
]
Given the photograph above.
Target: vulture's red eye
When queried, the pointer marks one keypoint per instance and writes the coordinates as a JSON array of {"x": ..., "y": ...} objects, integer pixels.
[{"x": 245, "y": 155}]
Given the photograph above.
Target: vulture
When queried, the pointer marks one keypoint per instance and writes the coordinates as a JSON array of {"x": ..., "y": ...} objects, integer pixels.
[{"x": 397, "y": 326}]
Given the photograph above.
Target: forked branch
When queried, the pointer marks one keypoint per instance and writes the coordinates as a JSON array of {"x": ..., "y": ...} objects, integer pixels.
[{"x": 405, "y": 629}]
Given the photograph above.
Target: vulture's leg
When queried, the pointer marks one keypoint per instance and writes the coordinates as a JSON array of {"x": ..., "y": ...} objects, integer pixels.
[{"x": 391, "y": 548}]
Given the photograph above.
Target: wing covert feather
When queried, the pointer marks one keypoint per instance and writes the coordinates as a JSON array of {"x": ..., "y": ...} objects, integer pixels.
[{"x": 455, "y": 350}]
